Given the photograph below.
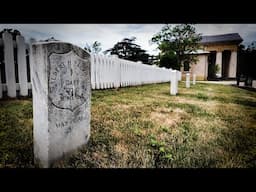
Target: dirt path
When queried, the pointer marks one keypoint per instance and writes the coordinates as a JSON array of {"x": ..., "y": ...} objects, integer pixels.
[{"x": 219, "y": 82}]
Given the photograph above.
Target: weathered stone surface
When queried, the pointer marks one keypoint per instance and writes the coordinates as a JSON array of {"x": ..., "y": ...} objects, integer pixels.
[
  {"x": 194, "y": 79},
  {"x": 174, "y": 82},
  {"x": 254, "y": 83},
  {"x": 187, "y": 80},
  {"x": 179, "y": 76},
  {"x": 61, "y": 99},
  {"x": 241, "y": 83}
]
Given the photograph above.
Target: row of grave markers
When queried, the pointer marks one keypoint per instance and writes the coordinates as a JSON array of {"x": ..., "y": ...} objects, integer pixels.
[
  {"x": 188, "y": 80},
  {"x": 176, "y": 77}
]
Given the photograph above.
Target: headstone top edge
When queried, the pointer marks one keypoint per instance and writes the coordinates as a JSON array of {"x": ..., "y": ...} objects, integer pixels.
[{"x": 59, "y": 42}]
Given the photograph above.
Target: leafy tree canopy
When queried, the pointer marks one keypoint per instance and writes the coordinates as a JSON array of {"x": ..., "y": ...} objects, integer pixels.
[
  {"x": 180, "y": 41},
  {"x": 169, "y": 60},
  {"x": 94, "y": 48},
  {"x": 127, "y": 49},
  {"x": 246, "y": 60}
]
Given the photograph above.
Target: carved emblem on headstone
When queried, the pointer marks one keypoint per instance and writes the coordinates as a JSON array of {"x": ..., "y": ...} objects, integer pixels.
[{"x": 67, "y": 85}]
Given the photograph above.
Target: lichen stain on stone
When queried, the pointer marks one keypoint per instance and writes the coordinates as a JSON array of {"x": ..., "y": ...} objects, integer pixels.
[{"x": 68, "y": 130}]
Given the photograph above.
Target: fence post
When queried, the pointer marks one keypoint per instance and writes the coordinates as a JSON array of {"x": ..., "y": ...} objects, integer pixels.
[
  {"x": 187, "y": 80},
  {"x": 117, "y": 79},
  {"x": 93, "y": 71},
  {"x": 97, "y": 71},
  {"x": 9, "y": 64},
  {"x": 102, "y": 68},
  {"x": 31, "y": 41},
  {"x": 22, "y": 65},
  {"x": 106, "y": 74},
  {"x": 109, "y": 71},
  {"x": 100, "y": 71}
]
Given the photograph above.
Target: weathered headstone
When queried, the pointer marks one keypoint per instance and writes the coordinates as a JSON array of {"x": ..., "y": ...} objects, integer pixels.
[
  {"x": 194, "y": 79},
  {"x": 179, "y": 75},
  {"x": 187, "y": 80},
  {"x": 177, "y": 80},
  {"x": 174, "y": 82},
  {"x": 254, "y": 83},
  {"x": 61, "y": 87},
  {"x": 242, "y": 84}
]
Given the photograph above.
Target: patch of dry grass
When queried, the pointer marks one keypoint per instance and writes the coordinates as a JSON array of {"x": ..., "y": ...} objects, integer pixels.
[{"x": 205, "y": 126}]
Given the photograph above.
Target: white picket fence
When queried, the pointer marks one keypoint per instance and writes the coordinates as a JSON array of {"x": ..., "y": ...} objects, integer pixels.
[
  {"x": 106, "y": 71},
  {"x": 112, "y": 72},
  {"x": 13, "y": 53}
]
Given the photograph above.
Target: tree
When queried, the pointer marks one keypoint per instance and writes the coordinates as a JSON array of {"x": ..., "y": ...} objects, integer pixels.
[
  {"x": 179, "y": 41},
  {"x": 127, "y": 49},
  {"x": 169, "y": 60},
  {"x": 246, "y": 68},
  {"x": 94, "y": 48}
]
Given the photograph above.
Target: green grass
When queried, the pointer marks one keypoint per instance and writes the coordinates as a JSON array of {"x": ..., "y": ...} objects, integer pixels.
[
  {"x": 16, "y": 141},
  {"x": 206, "y": 125}
]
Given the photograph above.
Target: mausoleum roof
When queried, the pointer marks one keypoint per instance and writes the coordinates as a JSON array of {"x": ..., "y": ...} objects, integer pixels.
[{"x": 233, "y": 38}]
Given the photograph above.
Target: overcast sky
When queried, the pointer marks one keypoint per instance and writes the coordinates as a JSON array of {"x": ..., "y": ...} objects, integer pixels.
[{"x": 109, "y": 34}]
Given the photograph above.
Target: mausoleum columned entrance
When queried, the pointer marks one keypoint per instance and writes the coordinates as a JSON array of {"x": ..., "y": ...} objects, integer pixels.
[{"x": 225, "y": 58}]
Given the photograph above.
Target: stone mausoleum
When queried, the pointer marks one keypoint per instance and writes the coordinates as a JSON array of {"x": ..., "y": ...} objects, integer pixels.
[{"x": 218, "y": 50}]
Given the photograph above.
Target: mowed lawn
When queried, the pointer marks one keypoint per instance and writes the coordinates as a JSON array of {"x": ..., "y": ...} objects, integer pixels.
[{"x": 205, "y": 126}]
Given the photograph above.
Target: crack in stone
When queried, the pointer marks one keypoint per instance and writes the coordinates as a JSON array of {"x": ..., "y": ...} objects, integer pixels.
[{"x": 72, "y": 110}]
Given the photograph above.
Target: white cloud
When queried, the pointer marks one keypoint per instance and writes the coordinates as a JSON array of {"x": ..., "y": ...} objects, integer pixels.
[
  {"x": 109, "y": 34},
  {"x": 80, "y": 34}
]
